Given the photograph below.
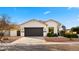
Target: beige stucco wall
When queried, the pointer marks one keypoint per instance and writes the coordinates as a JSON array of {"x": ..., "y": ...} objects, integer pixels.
[
  {"x": 34, "y": 24},
  {"x": 53, "y": 24},
  {"x": 7, "y": 33},
  {"x": 13, "y": 33}
]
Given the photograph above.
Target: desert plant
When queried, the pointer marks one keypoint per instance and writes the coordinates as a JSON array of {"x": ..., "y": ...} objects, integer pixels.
[
  {"x": 51, "y": 35},
  {"x": 54, "y": 35},
  {"x": 62, "y": 33},
  {"x": 71, "y": 36}
]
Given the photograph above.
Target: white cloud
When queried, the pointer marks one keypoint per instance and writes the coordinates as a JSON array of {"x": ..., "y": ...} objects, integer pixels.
[
  {"x": 78, "y": 16},
  {"x": 77, "y": 19},
  {"x": 47, "y": 12},
  {"x": 69, "y": 8},
  {"x": 72, "y": 8}
]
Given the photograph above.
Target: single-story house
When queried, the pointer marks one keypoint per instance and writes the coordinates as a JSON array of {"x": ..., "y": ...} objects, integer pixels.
[{"x": 36, "y": 28}]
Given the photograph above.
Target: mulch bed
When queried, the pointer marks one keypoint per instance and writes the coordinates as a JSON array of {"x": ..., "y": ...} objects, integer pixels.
[{"x": 58, "y": 39}]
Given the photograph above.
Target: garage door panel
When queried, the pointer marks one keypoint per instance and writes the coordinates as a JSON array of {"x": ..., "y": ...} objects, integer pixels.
[{"x": 33, "y": 31}]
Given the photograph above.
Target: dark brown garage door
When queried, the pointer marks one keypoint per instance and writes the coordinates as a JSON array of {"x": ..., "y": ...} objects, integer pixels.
[{"x": 33, "y": 31}]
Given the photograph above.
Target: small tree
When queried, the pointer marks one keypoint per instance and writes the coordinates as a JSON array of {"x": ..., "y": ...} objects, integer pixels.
[
  {"x": 6, "y": 25},
  {"x": 64, "y": 28},
  {"x": 62, "y": 32}
]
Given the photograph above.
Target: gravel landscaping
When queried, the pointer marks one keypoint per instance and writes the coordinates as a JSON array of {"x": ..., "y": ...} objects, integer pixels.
[
  {"x": 7, "y": 39},
  {"x": 60, "y": 39}
]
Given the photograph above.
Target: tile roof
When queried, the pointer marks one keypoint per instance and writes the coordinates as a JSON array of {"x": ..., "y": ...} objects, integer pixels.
[{"x": 43, "y": 22}]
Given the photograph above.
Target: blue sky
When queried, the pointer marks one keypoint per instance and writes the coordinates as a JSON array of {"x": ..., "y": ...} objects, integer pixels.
[{"x": 68, "y": 16}]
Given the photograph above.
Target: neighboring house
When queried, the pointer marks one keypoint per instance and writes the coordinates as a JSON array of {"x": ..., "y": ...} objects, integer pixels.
[{"x": 36, "y": 28}]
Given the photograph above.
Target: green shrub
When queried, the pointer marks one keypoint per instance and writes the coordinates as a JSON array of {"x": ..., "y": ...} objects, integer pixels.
[
  {"x": 71, "y": 35},
  {"x": 51, "y": 35},
  {"x": 62, "y": 33},
  {"x": 54, "y": 35}
]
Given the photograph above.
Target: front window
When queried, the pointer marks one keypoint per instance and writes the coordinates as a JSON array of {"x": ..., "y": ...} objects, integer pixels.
[{"x": 51, "y": 29}]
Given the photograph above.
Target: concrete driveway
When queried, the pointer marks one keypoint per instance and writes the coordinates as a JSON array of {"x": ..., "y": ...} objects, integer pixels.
[
  {"x": 30, "y": 40},
  {"x": 38, "y": 40}
]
